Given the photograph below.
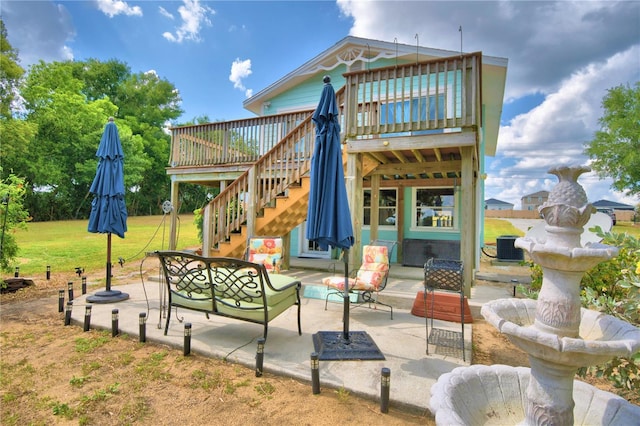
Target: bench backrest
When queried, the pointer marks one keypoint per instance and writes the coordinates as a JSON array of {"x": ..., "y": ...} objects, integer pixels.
[{"x": 232, "y": 282}]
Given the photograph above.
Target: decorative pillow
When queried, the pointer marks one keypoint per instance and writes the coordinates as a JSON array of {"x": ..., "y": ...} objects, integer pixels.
[
  {"x": 375, "y": 254},
  {"x": 267, "y": 251}
]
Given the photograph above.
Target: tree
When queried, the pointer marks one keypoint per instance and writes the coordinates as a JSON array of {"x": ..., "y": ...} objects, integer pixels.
[
  {"x": 12, "y": 215},
  {"x": 10, "y": 73},
  {"x": 615, "y": 149}
]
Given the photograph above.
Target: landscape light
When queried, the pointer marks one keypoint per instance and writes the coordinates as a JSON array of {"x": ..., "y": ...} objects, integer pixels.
[
  {"x": 315, "y": 373},
  {"x": 87, "y": 317},
  {"x": 260, "y": 356},
  {"x": 143, "y": 327},
  {"x": 187, "y": 339},
  {"x": 385, "y": 384}
]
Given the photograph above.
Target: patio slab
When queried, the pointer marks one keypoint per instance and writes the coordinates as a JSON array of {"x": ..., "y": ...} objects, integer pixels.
[{"x": 401, "y": 340}]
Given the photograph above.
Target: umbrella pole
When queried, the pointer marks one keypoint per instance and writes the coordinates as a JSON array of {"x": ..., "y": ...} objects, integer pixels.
[
  {"x": 346, "y": 301},
  {"x": 109, "y": 261}
]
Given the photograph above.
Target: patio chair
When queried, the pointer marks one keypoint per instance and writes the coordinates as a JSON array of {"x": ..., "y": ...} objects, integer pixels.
[
  {"x": 443, "y": 275},
  {"x": 267, "y": 251},
  {"x": 369, "y": 280}
]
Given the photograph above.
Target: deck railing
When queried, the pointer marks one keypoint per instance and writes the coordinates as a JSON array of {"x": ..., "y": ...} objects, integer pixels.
[
  {"x": 426, "y": 96},
  {"x": 230, "y": 142},
  {"x": 271, "y": 175}
]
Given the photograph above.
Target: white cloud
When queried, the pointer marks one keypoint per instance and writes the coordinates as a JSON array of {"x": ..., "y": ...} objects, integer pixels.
[
  {"x": 165, "y": 13},
  {"x": 112, "y": 8},
  {"x": 193, "y": 16},
  {"x": 239, "y": 71}
]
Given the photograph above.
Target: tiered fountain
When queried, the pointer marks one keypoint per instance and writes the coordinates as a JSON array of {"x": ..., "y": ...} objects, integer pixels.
[{"x": 557, "y": 334}]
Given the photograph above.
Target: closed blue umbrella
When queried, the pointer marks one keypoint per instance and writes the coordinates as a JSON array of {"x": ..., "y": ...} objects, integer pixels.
[
  {"x": 328, "y": 217},
  {"x": 108, "y": 210}
]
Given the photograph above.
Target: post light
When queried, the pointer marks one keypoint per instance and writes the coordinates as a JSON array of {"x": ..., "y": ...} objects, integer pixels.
[
  {"x": 49, "y": 273},
  {"x": 315, "y": 373},
  {"x": 60, "y": 300},
  {"x": 143, "y": 327},
  {"x": 260, "y": 356},
  {"x": 67, "y": 313},
  {"x": 70, "y": 288},
  {"x": 114, "y": 322},
  {"x": 84, "y": 285},
  {"x": 87, "y": 317},
  {"x": 385, "y": 384},
  {"x": 16, "y": 274},
  {"x": 187, "y": 339}
]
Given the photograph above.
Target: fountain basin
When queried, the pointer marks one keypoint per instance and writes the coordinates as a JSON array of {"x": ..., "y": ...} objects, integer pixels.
[
  {"x": 562, "y": 258},
  {"x": 496, "y": 395},
  {"x": 601, "y": 337}
]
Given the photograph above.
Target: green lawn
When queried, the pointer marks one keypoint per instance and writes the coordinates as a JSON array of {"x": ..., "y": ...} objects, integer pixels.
[{"x": 65, "y": 245}]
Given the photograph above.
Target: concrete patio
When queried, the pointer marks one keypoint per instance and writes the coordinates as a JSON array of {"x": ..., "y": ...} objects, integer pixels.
[{"x": 401, "y": 340}]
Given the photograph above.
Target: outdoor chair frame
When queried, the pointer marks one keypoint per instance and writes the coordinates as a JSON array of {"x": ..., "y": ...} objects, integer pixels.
[{"x": 444, "y": 275}]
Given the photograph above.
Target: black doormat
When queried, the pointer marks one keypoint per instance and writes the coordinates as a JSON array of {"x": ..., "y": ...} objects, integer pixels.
[{"x": 331, "y": 346}]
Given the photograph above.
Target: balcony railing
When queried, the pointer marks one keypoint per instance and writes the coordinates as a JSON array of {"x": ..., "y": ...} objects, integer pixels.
[
  {"x": 422, "y": 97},
  {"x": 230, "y": 142}
]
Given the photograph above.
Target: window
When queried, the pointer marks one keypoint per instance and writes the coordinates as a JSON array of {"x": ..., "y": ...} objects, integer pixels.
[
  {"x": 434, "y": 208},
  {"x": 407, "y": 111},
  {"x": 386, "y": 207}
]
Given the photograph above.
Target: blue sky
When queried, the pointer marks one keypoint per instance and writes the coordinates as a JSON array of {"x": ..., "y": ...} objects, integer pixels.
[{"x": 563, "y": 56}]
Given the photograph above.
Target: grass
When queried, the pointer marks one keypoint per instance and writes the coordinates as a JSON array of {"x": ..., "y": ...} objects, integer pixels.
[{"x": 65, "y": 245}]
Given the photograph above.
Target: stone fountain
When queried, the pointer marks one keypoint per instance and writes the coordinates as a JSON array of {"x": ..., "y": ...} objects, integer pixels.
[{"x": 558, "y": 335}]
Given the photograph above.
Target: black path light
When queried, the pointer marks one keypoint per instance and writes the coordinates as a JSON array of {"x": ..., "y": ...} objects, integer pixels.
[
  {"x": 114, "y": 322},
  {"x": 315, "y": 373},
  {"x": 67, "y": 313},
  {"x": 260, "y": 356},
  {"x": 186, "y": 350},
  {"x": 84, "y": 285},
  {"x": 48, "y": 272},
  {"x": 70, "y": 289},
  {"x": 60, "y": 300},
  {"x": 87, "y": 318},
  {"x": 16, "y": 274},
  {"x": 142, "y": 320},
  {"x": 385, "y": 385}
]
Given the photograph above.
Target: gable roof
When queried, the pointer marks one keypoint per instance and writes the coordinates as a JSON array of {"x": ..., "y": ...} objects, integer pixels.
[
  {"x": 612, "y": 205},
  {"x": 495, "y": 202},
  {"x": 351, "y": 50}
]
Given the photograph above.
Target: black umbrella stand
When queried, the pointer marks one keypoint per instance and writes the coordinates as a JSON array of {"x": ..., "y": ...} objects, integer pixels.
[
  {"x": 108, "y": 296},
  {"x": 348, "y": 345}
]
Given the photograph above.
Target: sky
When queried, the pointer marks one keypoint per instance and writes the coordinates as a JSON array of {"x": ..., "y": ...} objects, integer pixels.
[{"x": 563, "y": 57}]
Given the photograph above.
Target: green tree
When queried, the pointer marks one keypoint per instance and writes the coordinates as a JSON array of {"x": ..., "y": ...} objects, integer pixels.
[
  {"x": 12, "y": 215},
  {"x": 615, "y": 149},
  {"x": 10, "y": 73}
]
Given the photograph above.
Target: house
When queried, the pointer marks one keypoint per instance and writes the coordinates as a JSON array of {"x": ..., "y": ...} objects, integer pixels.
[
  {"x": 535, "y": 200},
  {"x": 416, "y": 125},
  {"x": 493, "y": 204},
  {"x": 606, "y": 204}
]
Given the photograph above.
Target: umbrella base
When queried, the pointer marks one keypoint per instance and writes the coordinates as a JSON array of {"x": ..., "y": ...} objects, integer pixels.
[
  {"x": 331, "y": 346},
  {"x": 110, "y": 296}
]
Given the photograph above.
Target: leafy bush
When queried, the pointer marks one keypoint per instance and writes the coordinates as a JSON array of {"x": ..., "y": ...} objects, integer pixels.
[{"x": 12, "y": 216}]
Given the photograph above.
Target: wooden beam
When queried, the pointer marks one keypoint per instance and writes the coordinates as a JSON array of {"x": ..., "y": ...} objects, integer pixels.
[
  {"x": 417, "y": 168},
  {"x": 408, "y": 143}
]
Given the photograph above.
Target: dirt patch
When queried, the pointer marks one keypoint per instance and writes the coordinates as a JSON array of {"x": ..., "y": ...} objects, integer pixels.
[{"x": 52, "y": 374}]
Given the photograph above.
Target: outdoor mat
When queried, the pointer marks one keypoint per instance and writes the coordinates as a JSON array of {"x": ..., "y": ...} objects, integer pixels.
[
  {"x": 446, "y": 342},
  {"x": 331, "y": 346},
  {"x": 320, "y": 292}
]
